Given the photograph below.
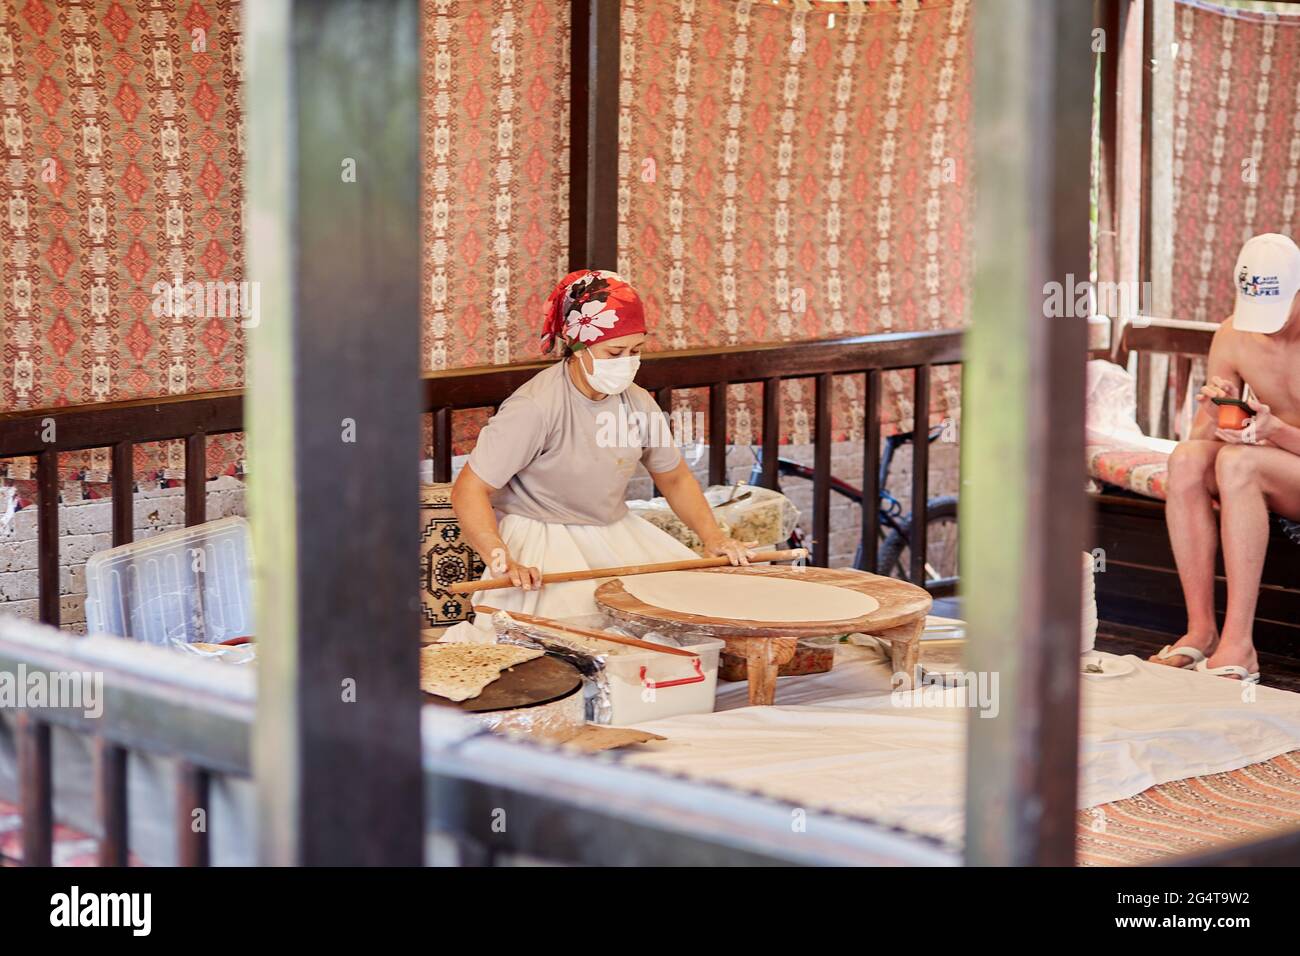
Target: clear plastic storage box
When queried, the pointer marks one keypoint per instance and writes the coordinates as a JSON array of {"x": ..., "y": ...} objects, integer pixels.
[{"x": 194, "y": 584}]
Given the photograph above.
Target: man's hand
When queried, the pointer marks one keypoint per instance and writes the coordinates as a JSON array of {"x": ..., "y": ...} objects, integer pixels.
[
  {"x": 737, "y": 552},
  {"x": 1259, "y": 429},
  {"x": 1217, "y": 387},
  {"x": 1255, "y": 430},
  {"x": 1265, "y": 423}
]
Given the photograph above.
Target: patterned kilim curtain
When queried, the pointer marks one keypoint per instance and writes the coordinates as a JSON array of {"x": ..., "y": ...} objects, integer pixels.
[
  {"x": 495, "y": 175},
  {"x": 782, "y": 177},
  {"x": 122, "y": 169},
  {"x": 495, "y": 181},
  {"x": 797, "y": 171},
  {"x": 1236, "y": 146}
]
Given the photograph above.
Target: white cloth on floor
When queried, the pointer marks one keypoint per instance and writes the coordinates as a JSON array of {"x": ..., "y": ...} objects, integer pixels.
[
  {"x": 554, "y": 548},
  {"x": 838, "y": 740}
]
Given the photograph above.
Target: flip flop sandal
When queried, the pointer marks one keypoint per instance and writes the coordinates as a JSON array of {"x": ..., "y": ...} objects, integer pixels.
[
  {"x": 1194, "y": 657},
  {"x": 1229, "y": 671}
]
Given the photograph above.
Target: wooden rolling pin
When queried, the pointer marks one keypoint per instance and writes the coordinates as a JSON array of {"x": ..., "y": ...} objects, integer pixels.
[
  {"x": 492, "y": 584},
  {"x": 587, "y": 632}
]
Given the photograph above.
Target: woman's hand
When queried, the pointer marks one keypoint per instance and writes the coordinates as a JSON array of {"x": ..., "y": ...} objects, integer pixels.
[
  {"x": 525, "y": 577},
  {"x": 737, "y": 552},
  {"x": 1217, "y": 387},
  {"x": 1255, "y": 430},
  {"x": 522, "y": 576}
]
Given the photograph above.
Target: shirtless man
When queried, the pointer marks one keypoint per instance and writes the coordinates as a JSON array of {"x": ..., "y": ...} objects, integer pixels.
[{"x": 1250, "y": 471}]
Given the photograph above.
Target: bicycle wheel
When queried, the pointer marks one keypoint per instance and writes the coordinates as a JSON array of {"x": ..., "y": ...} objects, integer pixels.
[{"x": 895, "y": 557}]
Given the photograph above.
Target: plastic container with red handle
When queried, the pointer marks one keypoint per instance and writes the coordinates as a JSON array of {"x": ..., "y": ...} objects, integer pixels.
[{"x": 647, "y": 685}]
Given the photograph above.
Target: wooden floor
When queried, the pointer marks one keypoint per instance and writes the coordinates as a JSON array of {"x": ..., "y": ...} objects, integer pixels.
[{"x": 1274, "y": 670}]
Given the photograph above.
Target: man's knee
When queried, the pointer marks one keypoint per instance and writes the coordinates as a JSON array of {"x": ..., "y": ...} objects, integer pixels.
[
  {"x": 1236, "y": 467},
  {"x": 1190, "y": 464}
]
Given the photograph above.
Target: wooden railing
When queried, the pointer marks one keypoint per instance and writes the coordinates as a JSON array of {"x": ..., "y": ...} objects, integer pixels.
[
  {"x": 191, "y": 418},
  {"x": 1182, "y": 342},
  {"x": 119, "y": 426},
  {"x": 150, "y": 716},
  {"x": 563, "y": 807},
  {"x": 153, "y": 701}
]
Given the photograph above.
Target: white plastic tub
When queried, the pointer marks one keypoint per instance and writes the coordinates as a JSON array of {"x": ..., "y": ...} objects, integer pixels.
[
  {"x": 194, "y": 584},
  {"x": 646, "y": 685}
]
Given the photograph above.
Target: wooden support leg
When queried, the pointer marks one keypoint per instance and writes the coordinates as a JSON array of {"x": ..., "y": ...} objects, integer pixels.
[
  {"x": 764, "y": 657},
  {"x": 905, "y": 651},
  {"x": 36, "y": 790}
]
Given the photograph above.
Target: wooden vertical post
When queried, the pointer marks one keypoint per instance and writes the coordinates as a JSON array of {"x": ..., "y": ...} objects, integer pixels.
[
  {"x": 1024, "y": 523},
  {"x": 123, "y": 493},
  {"x": 111, "y": 802},
  {"x": 821, "y": 549},
  {"x": 718, "y": 433},
  {"x": 1108, "y": 15},
  {"x": 193, "y": 812},
  {"x": 442, "y": 431},
  {"x": 196, "y": 479},
  {"x": 870, "y": 469},
  {"x": 918, "y": 543},
  {"x": 1128, "y": 171},
  {"x": 593, "y": 140},
  {"x": 35, "y": 789},
  {"x": 47, "y": 535},
  {"x": 333, "y": 209},
  {"x": 1157, "y": 259},
  {"x": 771, "y": 431}
]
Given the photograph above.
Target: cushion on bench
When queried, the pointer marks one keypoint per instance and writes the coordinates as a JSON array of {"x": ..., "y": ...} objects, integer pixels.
[
  {"x": 1145, "y": 473},
  {"x": 1139, "y": 470}
]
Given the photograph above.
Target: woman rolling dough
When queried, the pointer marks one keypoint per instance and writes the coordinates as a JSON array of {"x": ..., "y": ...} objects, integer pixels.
[{"x": 555, "y": 461}]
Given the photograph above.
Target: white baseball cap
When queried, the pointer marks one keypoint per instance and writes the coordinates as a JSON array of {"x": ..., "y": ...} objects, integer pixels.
[{"x": 1267, "y": 277}]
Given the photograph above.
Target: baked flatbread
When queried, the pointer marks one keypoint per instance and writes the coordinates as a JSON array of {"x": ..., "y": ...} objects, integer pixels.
[{"x": 461, "y": 671}]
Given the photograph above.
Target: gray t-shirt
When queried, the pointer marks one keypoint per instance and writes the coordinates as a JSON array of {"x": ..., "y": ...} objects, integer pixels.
[{"x": 557, "y": 456}]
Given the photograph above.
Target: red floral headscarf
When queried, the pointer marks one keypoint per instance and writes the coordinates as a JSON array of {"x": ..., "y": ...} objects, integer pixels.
[{"x": 589, "y": 305}]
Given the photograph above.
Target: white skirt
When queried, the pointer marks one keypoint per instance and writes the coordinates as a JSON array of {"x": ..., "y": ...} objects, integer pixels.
[{"x": 553, "y": 548}]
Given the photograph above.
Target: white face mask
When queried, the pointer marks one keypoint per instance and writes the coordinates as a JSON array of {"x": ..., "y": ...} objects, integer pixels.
[{"x": 611, "y": 376}]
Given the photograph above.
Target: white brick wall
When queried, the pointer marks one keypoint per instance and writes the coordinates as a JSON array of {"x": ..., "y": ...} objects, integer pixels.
[{"x": 85, "y": 527}]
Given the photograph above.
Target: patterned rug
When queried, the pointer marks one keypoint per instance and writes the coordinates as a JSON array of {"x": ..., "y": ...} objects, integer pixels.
[{"x": 1191, "y": 815}]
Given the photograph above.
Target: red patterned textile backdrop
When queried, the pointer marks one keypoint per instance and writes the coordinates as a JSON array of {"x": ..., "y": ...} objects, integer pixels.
[
  {"x": 1236, "y": 146},
  {"x": 814, "y": 176},
  {"x": 495, "y": 188},
  {"x": 123, "y": 167},
  {"x": 797, "y": 171},
  {"x": 496, "y": 175}
]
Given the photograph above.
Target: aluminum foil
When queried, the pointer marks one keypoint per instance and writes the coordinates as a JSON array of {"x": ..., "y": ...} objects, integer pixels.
[
  {"x": 582, "y": 654},
  {"x": 557, "y": 720}
]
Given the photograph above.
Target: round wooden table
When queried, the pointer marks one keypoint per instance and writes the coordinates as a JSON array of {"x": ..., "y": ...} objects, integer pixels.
[{"x": 766, "y": 645}]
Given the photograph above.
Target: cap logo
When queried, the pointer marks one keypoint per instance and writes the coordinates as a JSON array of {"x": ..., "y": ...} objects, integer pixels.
[{"x": 1257, "y": 286}]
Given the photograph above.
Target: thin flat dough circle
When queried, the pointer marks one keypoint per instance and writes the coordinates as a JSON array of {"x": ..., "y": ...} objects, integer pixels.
[{"x": 745, "y": 597}]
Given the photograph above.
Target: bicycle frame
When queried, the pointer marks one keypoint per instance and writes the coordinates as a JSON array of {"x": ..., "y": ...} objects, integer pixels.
[{"x": 890, "y": 506}]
